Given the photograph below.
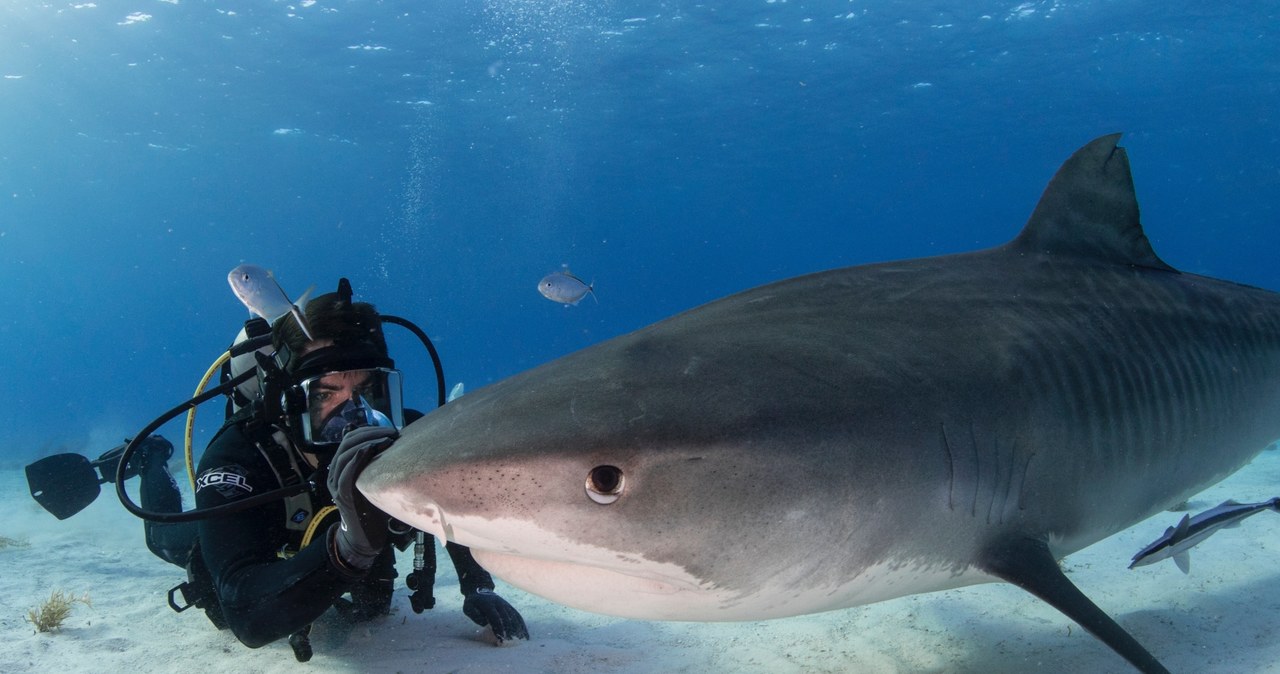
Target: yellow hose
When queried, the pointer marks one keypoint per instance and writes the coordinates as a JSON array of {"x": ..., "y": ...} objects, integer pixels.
[
  {"x": 191, "y": 414},
  {"x": 315, "y": 524}
]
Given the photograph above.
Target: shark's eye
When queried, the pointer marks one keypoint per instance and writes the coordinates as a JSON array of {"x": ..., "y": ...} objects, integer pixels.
[{"x": 604, "y": 484}]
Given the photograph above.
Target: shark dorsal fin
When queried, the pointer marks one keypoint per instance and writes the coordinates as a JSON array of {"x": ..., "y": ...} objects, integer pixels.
[{"x": 1090, "y": 210}]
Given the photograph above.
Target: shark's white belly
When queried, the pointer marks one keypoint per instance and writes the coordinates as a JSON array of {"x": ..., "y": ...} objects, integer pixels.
[
  {"x": 651, "y": 592},
  {"x": 626, "y": 584}
]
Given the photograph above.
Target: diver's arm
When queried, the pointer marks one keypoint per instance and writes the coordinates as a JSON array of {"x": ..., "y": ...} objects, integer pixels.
[
  {"x": 481, "y": 604},
  {"x": 471, "y": 576},
  {"x": 263, "y": 597}
]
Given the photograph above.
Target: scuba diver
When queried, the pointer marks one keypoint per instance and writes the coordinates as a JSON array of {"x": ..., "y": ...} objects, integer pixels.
[{"x": 280, "y": 533}]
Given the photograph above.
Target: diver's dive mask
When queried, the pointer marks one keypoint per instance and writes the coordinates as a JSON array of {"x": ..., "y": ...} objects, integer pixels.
[
  {"x": 340, "y": 401},
  {"x": 334, "y": 389}
]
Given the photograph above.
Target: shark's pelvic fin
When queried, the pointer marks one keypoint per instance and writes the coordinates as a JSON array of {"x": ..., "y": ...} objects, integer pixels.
[
  {"x": 1027, "y": 563},
  {"x": 1090, "y": 210}
]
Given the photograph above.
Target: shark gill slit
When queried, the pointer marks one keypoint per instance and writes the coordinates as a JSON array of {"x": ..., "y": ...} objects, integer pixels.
[
  {"x": 982, "y": 470},
  {"x": 962, "y": 457},
  {"x": 994, "y": 486},
  {"x": 977, "y": 471},
  {"x": 997, "y": 474},
  {"x": 962, "y": 462},
  {"x": 1013, "y": 489},
  {"x": 951, "y": 467},
  {"x": 1026, "y": 468}
]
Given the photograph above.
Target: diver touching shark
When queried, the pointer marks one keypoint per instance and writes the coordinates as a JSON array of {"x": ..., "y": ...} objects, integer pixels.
[{"x": 865, "y": 433}]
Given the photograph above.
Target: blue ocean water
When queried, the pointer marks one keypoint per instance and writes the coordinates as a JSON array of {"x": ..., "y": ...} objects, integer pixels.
[{"x": 446, "y": 154}]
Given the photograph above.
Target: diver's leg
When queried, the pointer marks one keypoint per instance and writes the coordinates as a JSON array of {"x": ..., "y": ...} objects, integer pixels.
[
  {"x": 168, "y": 541},
  {"x": 371, "y": 597}
]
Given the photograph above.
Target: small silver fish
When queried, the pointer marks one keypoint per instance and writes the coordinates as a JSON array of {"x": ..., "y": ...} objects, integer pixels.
[
  {"x": 565, "y": 288},
  {"x": 261, "y": 294},
  {"x": 1177, "y": 541}
]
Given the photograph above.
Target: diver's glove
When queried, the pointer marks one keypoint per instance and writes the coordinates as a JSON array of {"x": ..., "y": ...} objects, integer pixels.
[
  {"x": 152, "y": 451},
  {"x": 487, "y": 609},
  {"x": 362, "y": 533}
]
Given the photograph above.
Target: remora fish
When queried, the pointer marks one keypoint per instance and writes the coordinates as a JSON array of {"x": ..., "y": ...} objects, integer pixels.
[
  {"x": 865, "y": 433},
  {"x": 1190, "y": 531},
  {"x": 565, "y": 288},
  {"x": 261, "y": 294}
]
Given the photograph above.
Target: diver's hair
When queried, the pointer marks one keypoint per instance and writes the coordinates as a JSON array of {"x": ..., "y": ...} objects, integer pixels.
[{"x": 332, "y": 316}]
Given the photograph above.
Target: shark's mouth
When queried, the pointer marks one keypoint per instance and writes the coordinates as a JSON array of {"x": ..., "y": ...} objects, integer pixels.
[
  {"x": 622, "y": 593},
  {"x": 580, "y": 575},
  {"x": 570, "y": 572}
]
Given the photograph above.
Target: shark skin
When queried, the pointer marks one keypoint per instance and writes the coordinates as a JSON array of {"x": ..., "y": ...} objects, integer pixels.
[{"x": 865, "y": 433}]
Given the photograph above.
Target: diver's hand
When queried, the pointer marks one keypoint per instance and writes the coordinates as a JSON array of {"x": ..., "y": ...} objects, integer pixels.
[
  {"x": 362, "y": 534},
  {"x": 486, "y": 608}
]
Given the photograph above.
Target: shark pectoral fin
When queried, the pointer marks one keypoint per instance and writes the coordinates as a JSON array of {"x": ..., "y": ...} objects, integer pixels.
[
  {"x": 1183, "y": 560},
  {"x": 1027, "y": 563}
]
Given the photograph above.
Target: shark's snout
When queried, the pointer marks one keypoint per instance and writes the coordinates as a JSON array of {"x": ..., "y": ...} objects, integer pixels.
[{"x": 401, "y": 501}]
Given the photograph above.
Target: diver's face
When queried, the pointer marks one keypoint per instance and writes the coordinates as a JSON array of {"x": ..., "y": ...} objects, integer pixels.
[{"x": 333, "y": 390}]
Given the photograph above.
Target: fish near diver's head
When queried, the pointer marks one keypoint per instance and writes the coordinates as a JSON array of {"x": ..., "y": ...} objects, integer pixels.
[{"x": 257, "y": 289}]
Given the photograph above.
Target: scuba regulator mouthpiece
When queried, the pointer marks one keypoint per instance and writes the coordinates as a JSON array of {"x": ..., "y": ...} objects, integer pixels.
[{"x": 355, "y": 413}]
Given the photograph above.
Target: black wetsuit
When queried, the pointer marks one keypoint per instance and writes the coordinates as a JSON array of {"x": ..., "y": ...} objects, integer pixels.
[
  {"x": 159, "y": 493},
  {"x": 263, "y": 595}
]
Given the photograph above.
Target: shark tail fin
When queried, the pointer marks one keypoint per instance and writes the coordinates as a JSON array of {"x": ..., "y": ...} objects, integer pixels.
[
  {"x": 1090, "y": 209},
  {"x": 1027, "y": 563}
]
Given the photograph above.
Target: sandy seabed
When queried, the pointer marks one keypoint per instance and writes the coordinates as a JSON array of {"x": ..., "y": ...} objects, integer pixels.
[{"x": 1219, "y": 618}]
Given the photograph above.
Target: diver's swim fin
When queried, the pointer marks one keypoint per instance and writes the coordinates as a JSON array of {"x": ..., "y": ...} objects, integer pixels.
[{"x": 63, "y": 483}]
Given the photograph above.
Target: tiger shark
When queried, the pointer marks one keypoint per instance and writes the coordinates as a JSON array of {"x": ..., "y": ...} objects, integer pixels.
[{"x": 865, "y": 433}]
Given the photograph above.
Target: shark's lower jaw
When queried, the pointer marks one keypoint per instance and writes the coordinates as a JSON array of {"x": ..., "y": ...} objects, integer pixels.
[
  {"x": 601, "y": 590},
  {"x": 578, "y": 575}
]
